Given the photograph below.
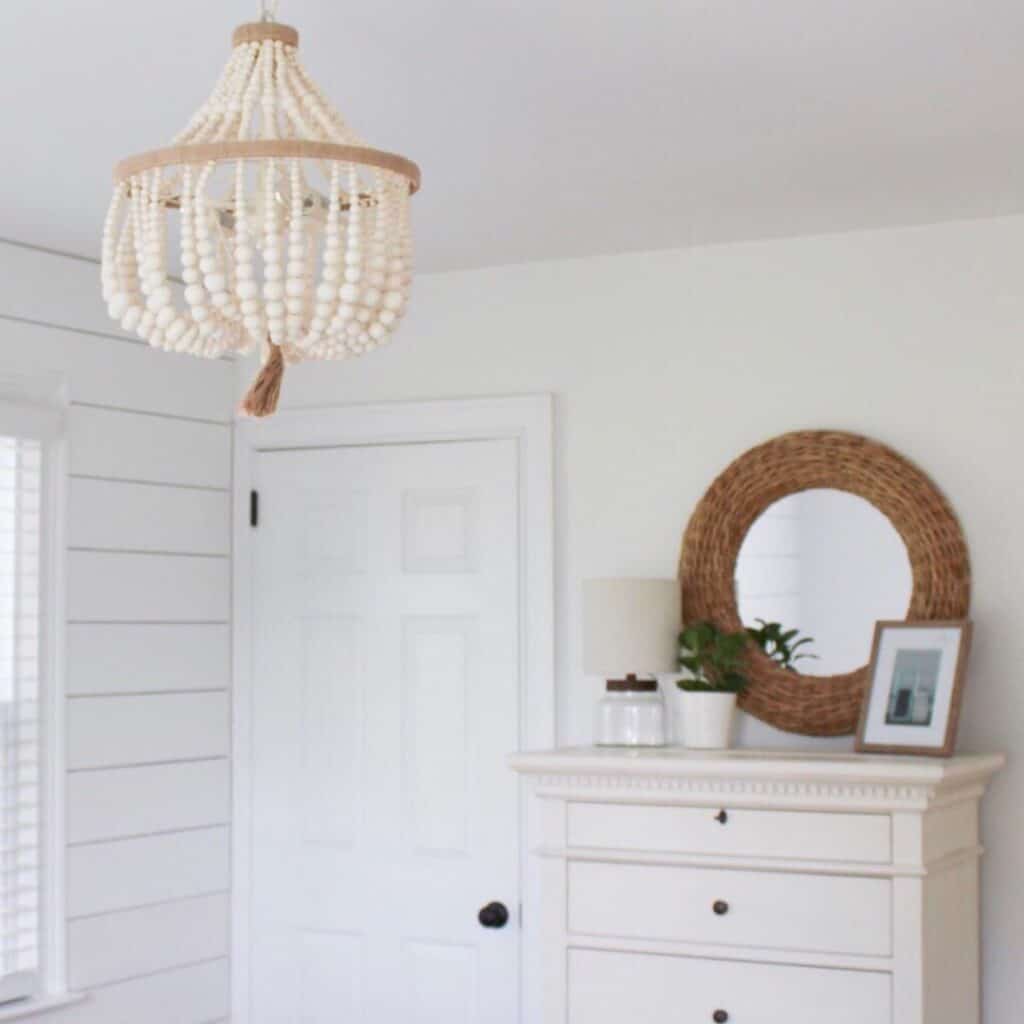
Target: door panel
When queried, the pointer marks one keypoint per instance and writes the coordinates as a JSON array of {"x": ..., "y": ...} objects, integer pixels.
[{"x": 385, "y": 698}]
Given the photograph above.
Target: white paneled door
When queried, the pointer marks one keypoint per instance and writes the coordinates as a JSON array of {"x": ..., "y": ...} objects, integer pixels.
[{"x": 386, "y": 698}]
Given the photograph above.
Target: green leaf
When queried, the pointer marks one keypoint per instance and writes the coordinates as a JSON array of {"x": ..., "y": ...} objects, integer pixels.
[{"x": 695, "y": 686}]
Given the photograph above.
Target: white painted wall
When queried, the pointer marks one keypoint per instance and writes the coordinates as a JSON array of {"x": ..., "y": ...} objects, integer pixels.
[
  {"x": 148, "y": 796},
  {"x": 668, "y": 364}
]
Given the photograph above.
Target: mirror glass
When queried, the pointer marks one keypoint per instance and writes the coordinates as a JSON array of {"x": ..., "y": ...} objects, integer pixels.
[{"x": 826, "y": 563}]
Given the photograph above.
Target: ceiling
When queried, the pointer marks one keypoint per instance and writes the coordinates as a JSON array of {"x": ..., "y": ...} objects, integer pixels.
[{"x": 557, "y": 128}]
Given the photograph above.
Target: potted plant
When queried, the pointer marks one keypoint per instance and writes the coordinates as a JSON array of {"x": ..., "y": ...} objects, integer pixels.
[{"x": 712, "y": 661}]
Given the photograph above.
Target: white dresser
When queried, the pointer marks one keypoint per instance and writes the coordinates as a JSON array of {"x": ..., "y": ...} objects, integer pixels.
[{"x": 758, "y": 888}]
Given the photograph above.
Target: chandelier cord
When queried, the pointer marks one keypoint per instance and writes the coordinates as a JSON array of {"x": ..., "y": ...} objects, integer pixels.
[{"x": 268, "y": 10}]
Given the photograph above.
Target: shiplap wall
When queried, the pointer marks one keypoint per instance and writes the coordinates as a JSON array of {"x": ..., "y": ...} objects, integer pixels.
[{"x": 148, "y": 604}]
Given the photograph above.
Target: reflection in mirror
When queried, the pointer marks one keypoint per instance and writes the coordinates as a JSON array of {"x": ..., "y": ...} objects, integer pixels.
[{"x": 829, "y": 564}]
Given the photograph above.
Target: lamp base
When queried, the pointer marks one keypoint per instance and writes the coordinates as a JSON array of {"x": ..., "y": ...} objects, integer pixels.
[{"x": 631, "y": 714}]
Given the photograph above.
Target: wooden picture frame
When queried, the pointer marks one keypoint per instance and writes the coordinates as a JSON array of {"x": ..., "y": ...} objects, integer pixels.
[{"x": 912, "y": 701}]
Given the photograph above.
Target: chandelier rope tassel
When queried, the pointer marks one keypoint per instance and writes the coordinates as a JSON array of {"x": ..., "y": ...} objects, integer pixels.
[
  {"x": 262, "y": 397},
  {"x": 266, "y": 224}
]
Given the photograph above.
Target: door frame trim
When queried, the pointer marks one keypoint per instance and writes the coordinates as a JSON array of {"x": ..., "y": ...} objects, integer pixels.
[{"x": 524, "y": 419}]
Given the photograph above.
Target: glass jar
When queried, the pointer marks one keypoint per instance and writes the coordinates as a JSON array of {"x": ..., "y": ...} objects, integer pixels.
[{"x": 630, "y": 714}]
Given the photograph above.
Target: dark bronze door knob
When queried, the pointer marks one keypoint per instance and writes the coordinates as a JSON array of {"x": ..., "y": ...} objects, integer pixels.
[
  {"x": 494, "y": 915},
  {"x": 720, "y": 907},
  {"x": 719, "y": 1016}
]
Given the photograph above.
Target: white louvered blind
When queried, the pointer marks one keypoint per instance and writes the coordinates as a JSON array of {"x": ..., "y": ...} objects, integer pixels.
[{"x": 21, "y": 471}]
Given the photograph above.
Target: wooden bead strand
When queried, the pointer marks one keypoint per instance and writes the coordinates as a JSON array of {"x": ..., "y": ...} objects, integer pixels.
[
  {"x": 295, "y": 270},
  {"x": 273, "y": 304},
  {"x": 327, "y": 318},
  {"x": 246, "y": 288}
]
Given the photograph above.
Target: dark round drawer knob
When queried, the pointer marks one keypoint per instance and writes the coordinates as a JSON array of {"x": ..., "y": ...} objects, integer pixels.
[
  {"x": 722, "y": 816},
  {"x": 494, "y": 915},
  {"x": 719, "y": 1016},
  {"x": 720, "y": 907}
]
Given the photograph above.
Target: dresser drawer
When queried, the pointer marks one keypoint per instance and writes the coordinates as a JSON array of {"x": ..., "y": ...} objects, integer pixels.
[
  {"x": 817, "y": 913},
  {"x": 725, "y": 831},
  {"x": 624, "y": 988}
]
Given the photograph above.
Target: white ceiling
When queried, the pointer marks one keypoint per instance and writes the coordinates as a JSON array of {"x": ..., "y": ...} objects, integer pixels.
[{"x": 556, "y": 128}]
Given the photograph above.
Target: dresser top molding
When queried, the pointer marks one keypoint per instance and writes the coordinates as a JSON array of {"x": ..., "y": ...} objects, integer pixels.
[{"x": 757, "y": 777}]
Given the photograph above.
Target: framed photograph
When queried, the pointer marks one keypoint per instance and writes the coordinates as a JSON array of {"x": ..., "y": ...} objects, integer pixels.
[{"x": 916, "y": 685}]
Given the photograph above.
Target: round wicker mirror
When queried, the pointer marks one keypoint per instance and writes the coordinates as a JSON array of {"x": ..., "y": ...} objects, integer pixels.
[{"x": 805, "y": 461}]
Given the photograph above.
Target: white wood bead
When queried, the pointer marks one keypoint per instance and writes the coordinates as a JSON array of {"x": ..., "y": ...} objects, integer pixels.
[
  {"x": 117, "y": 306},
  {"x": 131, "y": 317},
  {"x": 158, "y": 299},
  {"x": 175, "y": 330}
]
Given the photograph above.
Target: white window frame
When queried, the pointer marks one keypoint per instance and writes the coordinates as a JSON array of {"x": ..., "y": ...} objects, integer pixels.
[{"x": 34, "y": 409}]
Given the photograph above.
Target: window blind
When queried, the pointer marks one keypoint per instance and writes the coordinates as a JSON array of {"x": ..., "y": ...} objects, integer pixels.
[{"x": 21, "y": 470}]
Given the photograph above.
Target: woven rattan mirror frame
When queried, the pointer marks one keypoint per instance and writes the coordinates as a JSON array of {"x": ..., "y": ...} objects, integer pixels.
[{"x": 800, "y": 461}]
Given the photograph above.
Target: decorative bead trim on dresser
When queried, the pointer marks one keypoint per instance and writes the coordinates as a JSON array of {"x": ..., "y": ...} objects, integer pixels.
[{"x": 680, "y": 885}]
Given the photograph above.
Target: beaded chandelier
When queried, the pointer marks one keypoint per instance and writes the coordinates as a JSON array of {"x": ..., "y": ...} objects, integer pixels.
[{"x": 293, "y": 234}]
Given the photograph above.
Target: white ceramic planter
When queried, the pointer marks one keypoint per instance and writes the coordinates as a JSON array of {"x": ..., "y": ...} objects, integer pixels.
[{"x": 704, "y": 720}]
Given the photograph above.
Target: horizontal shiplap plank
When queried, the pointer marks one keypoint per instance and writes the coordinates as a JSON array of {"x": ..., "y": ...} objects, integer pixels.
[
  {"x": 126, "y": 873},
  {"x": 45, "y": 286},
  {"x": 108, "y": 731},
  {"x": 153, "y": 449},
  {"x": 122, "y": 375},
  {"x": 113, "y": 947},
  {"x": 198, "y": 994},
  {"x": 138, "y": 658},
  {"x": 118, "y": 516},
  {"x": 117, "y": 802},
  {"x": 107, "y": 587}
]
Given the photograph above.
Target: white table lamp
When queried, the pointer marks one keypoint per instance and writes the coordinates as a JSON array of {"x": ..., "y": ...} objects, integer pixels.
[{"x": 630, "y": 634}]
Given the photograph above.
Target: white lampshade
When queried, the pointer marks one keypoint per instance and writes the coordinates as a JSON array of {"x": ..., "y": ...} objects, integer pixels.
[{"x": 630, "y": 626}]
